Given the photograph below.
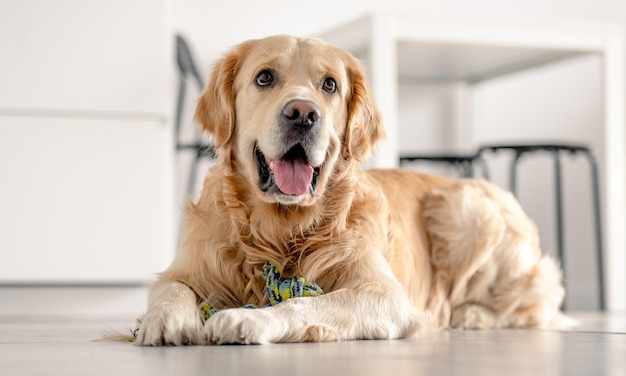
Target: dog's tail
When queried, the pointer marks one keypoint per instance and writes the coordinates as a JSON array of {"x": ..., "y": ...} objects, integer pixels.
[{"x": 114, "y": 335}]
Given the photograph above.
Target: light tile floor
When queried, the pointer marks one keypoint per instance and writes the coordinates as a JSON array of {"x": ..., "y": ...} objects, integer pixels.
[{"x": 65, "y": 347}]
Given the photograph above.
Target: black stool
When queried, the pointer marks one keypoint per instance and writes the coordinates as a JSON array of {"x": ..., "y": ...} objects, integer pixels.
[
  {"x": 465, "y": 163},
  {"x": 557, "y": 150}
]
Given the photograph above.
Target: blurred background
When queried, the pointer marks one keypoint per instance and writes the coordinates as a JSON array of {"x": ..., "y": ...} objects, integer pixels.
[{"x": 92, "y": 185}]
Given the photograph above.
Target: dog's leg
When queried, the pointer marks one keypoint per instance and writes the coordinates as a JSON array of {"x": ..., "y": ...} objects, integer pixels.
[
  {"x": 173, "y": 317},
  {"x": 438, "y": 303},
  {"x": 370, "y": 311},
  {"x": 473, "y": 316}
]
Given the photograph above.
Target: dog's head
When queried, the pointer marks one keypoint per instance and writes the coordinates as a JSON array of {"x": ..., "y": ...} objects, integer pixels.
[{"x": 282, "y": 112}]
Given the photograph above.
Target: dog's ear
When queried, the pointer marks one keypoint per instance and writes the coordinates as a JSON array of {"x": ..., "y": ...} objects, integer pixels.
[
  {"x": 365, "y": 127},
  {"x": 215, "y": 112}
]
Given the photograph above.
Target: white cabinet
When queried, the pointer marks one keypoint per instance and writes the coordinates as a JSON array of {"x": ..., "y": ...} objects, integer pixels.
[
  {"x": 82, "y": 199},
  {"x": 85, "y": 142}
]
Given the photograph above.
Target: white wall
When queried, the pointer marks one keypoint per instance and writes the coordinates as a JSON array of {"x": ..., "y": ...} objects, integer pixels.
[{"x": 215, "y": 26}]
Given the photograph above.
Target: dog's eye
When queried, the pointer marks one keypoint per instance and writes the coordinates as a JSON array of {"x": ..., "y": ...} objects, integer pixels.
[
  {"x": 264, "y": 79},
  {"x": 329, "y": 85}
]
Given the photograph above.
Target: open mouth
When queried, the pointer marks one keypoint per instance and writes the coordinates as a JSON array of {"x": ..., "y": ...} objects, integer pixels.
[{"x": 292, "y": 174}]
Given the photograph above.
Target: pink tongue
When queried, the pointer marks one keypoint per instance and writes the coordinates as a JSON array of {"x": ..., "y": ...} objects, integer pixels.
[{"x": 293, "y": 177}]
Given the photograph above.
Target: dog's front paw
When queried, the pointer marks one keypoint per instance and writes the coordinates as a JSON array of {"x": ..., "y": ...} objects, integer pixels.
[
  {"x": 242, "y": 325},
  {"x": 169, "y": 324}
]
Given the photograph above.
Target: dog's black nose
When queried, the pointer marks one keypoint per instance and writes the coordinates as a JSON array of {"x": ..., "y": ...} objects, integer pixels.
[{"x": 303, "y": 113}]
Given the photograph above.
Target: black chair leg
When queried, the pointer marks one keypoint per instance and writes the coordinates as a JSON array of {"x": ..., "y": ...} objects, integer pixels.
[
  {"x": 467, "y": 170},
  {"x": 513, "y": 173},
  {"x": 193, "y": 171},
  {"x": 558, "y": 211},
  {"x": 182, "y": 85},
  {"x": 484, "y": 168},
  {"x": 595, "y": 187}
]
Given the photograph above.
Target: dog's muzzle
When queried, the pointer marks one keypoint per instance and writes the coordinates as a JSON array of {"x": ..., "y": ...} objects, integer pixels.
[
  {"x": 299, "y": 126},
  {"x": 292, "y": 174}
]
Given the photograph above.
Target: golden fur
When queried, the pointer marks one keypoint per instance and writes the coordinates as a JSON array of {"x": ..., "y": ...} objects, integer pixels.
[{"x": 395, "y": 251}]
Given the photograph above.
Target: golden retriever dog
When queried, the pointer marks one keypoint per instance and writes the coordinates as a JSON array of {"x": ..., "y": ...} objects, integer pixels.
[{"x": 395, "y": 252}]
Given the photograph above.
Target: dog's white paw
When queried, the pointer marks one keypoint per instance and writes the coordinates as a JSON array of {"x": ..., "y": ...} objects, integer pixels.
[
  {"x": 472, "y": 316},
  {"x": 242, "y": 325},
  {"x": 169, "y": 324}
]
